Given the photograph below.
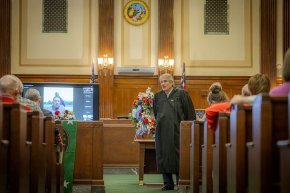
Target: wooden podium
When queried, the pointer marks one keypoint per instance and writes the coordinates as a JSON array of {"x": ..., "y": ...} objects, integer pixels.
[{"x": 147, "y": 161}]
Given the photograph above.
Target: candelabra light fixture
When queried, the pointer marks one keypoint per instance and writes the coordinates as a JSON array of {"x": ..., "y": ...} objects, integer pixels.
[
  {"x": 166, "y": 65},
  {"x": 105, "y": 65}
]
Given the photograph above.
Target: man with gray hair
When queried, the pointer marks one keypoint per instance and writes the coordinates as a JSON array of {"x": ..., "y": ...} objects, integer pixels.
[
  {"x": 8, "y": 89},
  {"x": 34, "y": 95},
  {"x": 171, "y": 106},
  {"x": 33, "y": 105}
]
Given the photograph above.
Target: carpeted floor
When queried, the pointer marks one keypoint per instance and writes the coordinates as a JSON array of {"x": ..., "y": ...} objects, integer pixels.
[{"x": 127, "y": 183}]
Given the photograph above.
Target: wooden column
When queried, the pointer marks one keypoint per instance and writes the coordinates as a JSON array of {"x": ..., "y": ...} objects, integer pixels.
[
  {"x": 5, "y": 31},
  {"x": 269, "y": 38},
  {"x": 106, "y": 46},
  {"x": 286, "y": 25},
  {"x": 165, "y": 18}
]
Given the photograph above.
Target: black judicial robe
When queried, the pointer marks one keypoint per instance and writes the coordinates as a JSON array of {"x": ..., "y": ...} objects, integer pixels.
[{"x": 169, "y": 112}]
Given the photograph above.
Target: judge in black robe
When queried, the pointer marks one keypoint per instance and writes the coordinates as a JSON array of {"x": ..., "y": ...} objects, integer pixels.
[{"x": 171, "y": 106}]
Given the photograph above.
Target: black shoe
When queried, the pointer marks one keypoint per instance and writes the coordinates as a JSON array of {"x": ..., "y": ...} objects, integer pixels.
[{"x": 167, "y": 187}]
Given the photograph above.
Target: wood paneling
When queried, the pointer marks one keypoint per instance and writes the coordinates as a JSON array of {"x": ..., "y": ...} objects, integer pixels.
[
  {"x": 5, "y": 40},
  {"x": 119, "y": 147},
  {"x": 88, "y": 166},
  {"x": 286, "y": 25},
  {"x": 165, "y": 16},
  {"x": 106, "y": 28},
  {"x": 106, "y": 46},
  {"x": 54, "y": 78},
  {"x": 126, "y": 88},
  {"x": 269, "y": 38}
]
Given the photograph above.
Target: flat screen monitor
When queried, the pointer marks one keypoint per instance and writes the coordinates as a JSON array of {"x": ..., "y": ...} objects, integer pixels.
[{"x": 82, "y": 99}]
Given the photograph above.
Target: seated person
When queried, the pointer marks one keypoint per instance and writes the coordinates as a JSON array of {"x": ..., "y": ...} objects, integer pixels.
[
  {"x": 33, "y": 105},
  {"x": 218, "y": 101},
  {"x": 283, "y": 89},
  {"x": 259, "y": 83},
  {"x": 34, "y": 95},
  {"x": 245, "y": 90},
  {"x": 10, "y": 90},
  {"x": 56, "y": 106}
]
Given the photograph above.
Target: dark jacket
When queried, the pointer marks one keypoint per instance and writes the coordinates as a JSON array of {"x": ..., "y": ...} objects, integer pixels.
[{"x": 169, "y": 112}]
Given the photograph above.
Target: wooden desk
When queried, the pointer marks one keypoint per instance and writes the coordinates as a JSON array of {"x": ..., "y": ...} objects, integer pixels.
[{"x": 143, "y": 145}]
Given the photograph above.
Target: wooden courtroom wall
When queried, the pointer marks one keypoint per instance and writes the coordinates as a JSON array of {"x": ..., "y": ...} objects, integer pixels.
[{"x": 126, "y": 88}]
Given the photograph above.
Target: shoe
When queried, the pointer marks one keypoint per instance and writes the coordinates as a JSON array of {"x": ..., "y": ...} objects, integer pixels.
[{"x": 167, "y": 187}]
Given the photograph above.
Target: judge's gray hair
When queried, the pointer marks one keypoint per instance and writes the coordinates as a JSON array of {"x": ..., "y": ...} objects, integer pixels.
[{"x": 168, "y": 77}]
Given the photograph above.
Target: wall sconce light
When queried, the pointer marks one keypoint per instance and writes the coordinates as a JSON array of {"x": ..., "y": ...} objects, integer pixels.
[
  {"x": 166, "y": 65},
  {"x": 105, "y": 64}
]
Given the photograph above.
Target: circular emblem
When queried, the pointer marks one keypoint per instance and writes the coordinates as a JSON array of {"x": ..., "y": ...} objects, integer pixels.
[{"x": 136, "y": 12}]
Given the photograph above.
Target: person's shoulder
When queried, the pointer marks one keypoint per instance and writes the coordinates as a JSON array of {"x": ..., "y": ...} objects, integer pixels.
[
  {"x": 47, "y": 113},
  {"x": 281, "y": 90},
  {"x": 218, "y": 106},
  {"x": 158, "y": 93}
]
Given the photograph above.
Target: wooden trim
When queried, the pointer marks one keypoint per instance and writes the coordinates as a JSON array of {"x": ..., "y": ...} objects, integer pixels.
[
  {"x": 165, "y": 16},
  {"x": 5, "y": 36},
  {"x": 268, "y": 34}
]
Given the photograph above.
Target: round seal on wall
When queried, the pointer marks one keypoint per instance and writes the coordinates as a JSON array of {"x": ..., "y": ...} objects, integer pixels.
[{"x": 136, "y": 12}]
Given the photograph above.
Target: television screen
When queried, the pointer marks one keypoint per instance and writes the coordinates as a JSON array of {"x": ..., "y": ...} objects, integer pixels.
[{"x": 82, "y": 99}]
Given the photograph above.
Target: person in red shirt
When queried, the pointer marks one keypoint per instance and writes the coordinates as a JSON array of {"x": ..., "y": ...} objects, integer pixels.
[
  {"x": 9, "y": 90},
  {"x": 218, "y": 101}
]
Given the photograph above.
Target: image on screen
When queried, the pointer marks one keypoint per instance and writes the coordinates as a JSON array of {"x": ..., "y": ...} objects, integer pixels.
[{"x": 82, "y": 99}]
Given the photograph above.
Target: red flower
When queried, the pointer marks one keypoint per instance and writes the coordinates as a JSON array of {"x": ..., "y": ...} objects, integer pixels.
[
  {"x": 66, "y": 111},
  {"x": 144, "y": 99},
  {"x": 56, "y": 113},
  {"x": 145, "y": 121}
]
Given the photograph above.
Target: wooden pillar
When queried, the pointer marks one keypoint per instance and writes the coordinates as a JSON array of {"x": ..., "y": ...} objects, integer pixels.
[
  {"x": 268, "y": 34},
  {"x": 286, "y": 25},
  {"x": 166, "y": 27},
  {"x": 5, "y": 31},
  {"x": 106, "y": 46}
]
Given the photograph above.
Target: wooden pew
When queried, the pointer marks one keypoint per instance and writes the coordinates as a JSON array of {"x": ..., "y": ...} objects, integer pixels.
[
  {"x": 184, "y": 159},
  {"x": 207, "y": 159},
  {"x": 88, "y": 168},
  {"x": 270, "y": 116},
  {"x": 51, "y": 162},
  {"x": 15, "y": 151},
  {"x": 240, "y": 133},
  {"x": 284, "y": 147},
  {"x": 37, "y": 160},
  {"x": 195, "y": 155},
  {"x": 3, "y": 154},
  {"x": 119, "y": 138},
  {"x": 219, "y": 167}
]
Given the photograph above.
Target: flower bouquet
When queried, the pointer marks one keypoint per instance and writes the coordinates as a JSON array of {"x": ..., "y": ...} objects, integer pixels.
[
  {"x": 142, "y": 114},
  {"x": 67, "y": 115}
]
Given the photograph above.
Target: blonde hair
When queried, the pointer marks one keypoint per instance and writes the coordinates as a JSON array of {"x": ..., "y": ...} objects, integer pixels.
[{"x": 216, "y": 94}]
